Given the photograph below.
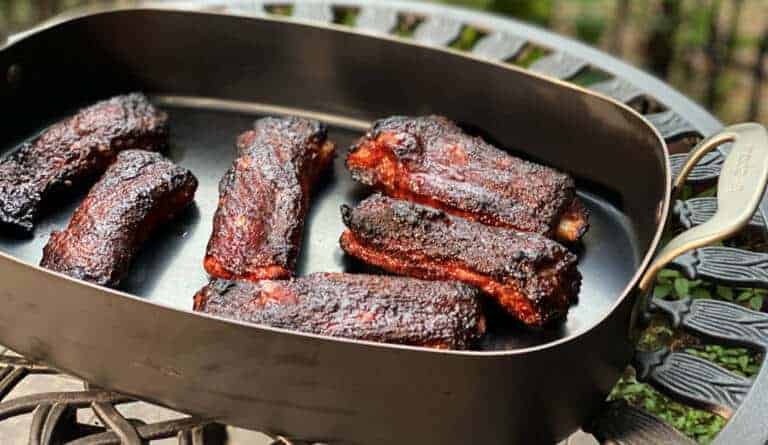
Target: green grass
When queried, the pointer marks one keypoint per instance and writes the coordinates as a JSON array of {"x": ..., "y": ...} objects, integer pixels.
[{"x": 696, "y": 424}]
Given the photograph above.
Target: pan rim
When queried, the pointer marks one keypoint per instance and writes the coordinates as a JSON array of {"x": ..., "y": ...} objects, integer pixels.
[{"x": 187, "y": 9}]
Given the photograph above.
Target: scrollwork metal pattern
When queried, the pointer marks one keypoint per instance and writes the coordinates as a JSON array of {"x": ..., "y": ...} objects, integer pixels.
[
  {"x": 618, "y": 89},
  {"x": 728, "y": 265},
  {"x": 693, "y": 379},
  {"x": 377, "y": 20},
  {"x": 695, "y": 211},
  {"x": 318, "y": 12},
  {"x": 53, "y": 413},
  {"x": 559, "y": 65},
  {"x": 671, "y": 125},
  {"x": 437, "y": 31},
  {"x": 724, "y": 321},
  {"x": 623, "y": 424},
  {"x": 499, "y": 46}
]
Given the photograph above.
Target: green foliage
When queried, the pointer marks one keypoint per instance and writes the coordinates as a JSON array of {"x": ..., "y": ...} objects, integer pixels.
[
  {"x": 672, "y": 284},
  {"x": 590, "y": 27},
  {"x": 739, "y": 360},
  {"x": 285, "y": 10},
  {"x": 589, "y": 76},
  {"x": 534, "y": 11},
  {"x": 697, "y": 424},
  {"x": 467, "y": 39},
  {"x": 530, "y": 55},
  {"x": 695, "y": 31},
  {"x": 475, "y": 4},
  {"x": 658, "y": 334},
  {"x": 22, "y": 11},
  {"x": 346, "y": 17}
]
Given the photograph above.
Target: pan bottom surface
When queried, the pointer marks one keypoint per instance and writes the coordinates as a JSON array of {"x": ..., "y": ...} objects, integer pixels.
[{"x": 169, "y": 269}]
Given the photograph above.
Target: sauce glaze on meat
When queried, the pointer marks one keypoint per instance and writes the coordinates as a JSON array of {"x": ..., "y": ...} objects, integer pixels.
[
  {"x": 364, "y": 307},
  {"x": 137, "y": 194},
  {"x": 431, "y": 161},
  {"x": 263, "y": 199},
  {"x": 75, "y": 152},
  {"x": 532, "y": 277}
]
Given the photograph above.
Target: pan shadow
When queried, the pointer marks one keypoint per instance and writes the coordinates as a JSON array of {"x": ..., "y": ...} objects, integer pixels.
[
  {"x": 317, "y": 217},
  {"x": 149, "y": 267},
  {"x": 506, "y": 333}
]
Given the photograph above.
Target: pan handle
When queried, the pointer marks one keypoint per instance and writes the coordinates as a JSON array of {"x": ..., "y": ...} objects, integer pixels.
[{"x": 740, "y": 189}]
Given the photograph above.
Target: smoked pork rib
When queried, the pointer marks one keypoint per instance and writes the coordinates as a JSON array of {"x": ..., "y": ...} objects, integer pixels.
[
  {"x": 532, "y": 277},
  {"x": 75, "y": 152},
  {"x": 430, "y": 160},
  {"x": 138, "y": 193},
  {"x": 263, "y": 199},
  {"x": 388, "y": 309}
]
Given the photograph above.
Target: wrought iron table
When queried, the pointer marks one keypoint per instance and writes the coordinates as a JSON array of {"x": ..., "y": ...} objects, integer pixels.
[{"x": 57, "y": 416}]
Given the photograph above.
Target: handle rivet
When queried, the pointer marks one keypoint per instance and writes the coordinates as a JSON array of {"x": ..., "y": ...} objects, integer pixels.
[{"x": 13, "y": 75}]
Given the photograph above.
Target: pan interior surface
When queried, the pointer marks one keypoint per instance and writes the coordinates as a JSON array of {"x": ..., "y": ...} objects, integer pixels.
[{"x": 169, "y": 268}]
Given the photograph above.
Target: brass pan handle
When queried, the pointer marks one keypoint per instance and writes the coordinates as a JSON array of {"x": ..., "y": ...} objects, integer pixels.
[{"x": 740, "y": 189}]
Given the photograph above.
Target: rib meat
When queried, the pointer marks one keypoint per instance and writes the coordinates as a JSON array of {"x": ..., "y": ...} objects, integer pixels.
[
  {"x": 75, "y": 152},
  {"x": 430, "y": 160},
  {"x": 138, "y": 193},
  {"x": 365, "y": 307},
  {"x": 532, "y": 277},
  {"x": 263, "y": 199}
]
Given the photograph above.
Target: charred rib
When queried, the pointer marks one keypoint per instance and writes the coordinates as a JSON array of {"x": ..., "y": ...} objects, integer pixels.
[
  {"x": 431, "y": 161},
  {"x": 364, "y": 307},
  {"x": 75, "y": 152},
  {"x": 137, "y": 194},
  {"x": 532, "y": 277},
  {"x": 263, "y": 199}
]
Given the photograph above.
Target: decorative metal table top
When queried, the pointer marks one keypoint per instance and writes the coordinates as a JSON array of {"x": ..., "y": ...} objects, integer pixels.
[{"x": 58, "y": 416}]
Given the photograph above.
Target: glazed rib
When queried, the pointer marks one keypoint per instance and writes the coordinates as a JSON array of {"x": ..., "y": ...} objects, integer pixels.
[
  {"x": 263, "y": 199},
  {"x": 431, "y": 161},
  {"x": 364, "y": 307},
  {"x": 75, "y": 152},
  {"x": 532, "y": 277},
  {"x": 138, "y": 193}
]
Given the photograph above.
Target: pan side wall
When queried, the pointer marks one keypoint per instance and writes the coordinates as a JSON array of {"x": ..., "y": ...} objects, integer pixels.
[{"x": 321, "y": 389}]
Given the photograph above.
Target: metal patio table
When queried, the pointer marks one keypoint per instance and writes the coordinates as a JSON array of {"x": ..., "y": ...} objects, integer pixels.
[{"x": 58, "y": 417}]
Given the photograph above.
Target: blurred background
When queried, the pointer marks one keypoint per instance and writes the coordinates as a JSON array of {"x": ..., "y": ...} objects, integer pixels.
[{"x": 715, "y": 51}]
